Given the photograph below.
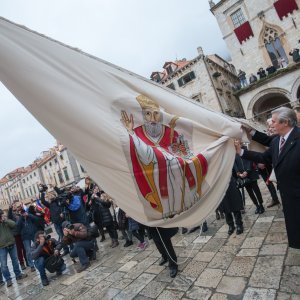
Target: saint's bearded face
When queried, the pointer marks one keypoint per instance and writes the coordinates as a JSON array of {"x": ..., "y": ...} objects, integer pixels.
[{"x": 153, "y": 118}]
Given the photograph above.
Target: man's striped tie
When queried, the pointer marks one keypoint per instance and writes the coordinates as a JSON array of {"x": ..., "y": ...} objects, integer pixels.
[{"x": 282, "y": 141}]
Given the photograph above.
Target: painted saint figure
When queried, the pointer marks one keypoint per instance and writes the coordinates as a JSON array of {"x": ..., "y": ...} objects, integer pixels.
[{"x": 168, "y": 175}]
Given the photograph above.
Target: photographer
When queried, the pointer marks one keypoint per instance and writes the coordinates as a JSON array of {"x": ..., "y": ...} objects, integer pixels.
[
  {"x": 7, "y": 246},
  {"x": 41, "y": 250},
  {"x": 84, "y": 248},
  {"x": 73, "y": 204}
]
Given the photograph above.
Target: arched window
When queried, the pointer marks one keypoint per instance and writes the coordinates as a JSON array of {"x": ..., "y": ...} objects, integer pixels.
[{"x": 274, "y": 47}]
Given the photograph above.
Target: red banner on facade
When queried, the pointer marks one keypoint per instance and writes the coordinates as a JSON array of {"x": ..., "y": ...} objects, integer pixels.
[
  {"x": 243, "y": 32},
  {"x": 285, "y": 7}
]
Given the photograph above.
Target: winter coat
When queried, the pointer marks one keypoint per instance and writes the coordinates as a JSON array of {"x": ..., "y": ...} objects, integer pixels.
[
  {"x": 55, "y": 209},
  {"x": 122, "y": 220},
  {"x": 6, "y": 233},
  {"x": 27, "y": 226},
  {"x": 241, "y": 165},
  {"x": 104, "y": 212},
  {"x": 232, "y": 200}
]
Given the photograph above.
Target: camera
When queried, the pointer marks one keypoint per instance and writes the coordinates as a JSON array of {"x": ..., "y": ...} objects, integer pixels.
[
  {"x": 43, "y": 188},
  {"x": 48, "y": 237}
]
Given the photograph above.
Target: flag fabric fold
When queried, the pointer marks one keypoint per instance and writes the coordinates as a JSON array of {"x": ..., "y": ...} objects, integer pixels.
[{"x": 163, "y": 158}]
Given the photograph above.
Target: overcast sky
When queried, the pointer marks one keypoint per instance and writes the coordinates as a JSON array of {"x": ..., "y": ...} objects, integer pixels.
[{"x": 139, "y": 35}]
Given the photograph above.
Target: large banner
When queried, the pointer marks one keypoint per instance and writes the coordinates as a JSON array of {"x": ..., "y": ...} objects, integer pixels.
[{"x": 164, "y": 159}]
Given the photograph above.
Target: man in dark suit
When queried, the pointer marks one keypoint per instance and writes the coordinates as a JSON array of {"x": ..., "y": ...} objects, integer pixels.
[{"x": 284, "y": 155}]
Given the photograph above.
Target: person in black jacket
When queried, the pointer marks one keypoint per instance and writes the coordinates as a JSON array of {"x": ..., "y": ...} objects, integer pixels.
[
  {"x": 105, "y": 215},
  {"x": 232, "y": 204},
  {"x": 261, "y": 73},
  {"x": 284, "y": 155},
  {"x": 245, "y": 169}
]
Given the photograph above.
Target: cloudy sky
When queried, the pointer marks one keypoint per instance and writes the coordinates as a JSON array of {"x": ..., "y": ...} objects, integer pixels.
[{"x": 139, "y": 35}]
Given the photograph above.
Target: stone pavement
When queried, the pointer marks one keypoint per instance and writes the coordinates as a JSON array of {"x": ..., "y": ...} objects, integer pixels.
[{"x": 255, "y": 265}]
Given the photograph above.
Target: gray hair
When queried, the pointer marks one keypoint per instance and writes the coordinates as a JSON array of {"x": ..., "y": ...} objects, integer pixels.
[{"x": 286, "y": 114}]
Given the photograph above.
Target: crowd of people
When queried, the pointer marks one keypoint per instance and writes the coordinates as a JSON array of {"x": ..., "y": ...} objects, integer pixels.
[
  {"x": 280, "y": 63},
  {"x": 80, "y": 216}
]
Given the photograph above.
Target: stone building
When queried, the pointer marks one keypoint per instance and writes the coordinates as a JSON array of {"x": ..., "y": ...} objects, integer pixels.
[
  {"x": 262, "y": 34},
  {"x": 56, "y": 166},
  {"x": 209, "y": 80}
]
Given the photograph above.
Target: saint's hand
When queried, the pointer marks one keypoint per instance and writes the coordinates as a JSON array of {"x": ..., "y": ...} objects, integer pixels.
[{"x": 127, "y": 122}]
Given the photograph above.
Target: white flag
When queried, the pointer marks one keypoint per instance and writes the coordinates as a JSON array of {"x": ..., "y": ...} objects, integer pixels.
[{"x": 164, "y": 159}]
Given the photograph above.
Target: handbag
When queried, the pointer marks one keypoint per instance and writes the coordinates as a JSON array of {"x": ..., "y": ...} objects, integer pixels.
[
  {"x": 242, "y": 182},
  {"x": 53, "y": 263}
]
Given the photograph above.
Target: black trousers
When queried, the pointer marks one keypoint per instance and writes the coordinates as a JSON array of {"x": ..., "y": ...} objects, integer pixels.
[
  {"x": 165, "y": 248},
  {"x": 254, "y": 193},
  {"x": 264, "y": 174},
  {"x": 237, "y": 217}
]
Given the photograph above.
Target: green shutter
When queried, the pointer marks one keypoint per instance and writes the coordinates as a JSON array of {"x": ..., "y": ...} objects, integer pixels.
[{"x": 180, "y": 81}]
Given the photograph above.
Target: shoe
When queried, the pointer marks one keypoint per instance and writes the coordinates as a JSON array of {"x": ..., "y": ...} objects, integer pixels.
[
  {"x": 74, "y": 261},
  {"x": 273, "y": 203},
  {"x": 257, "y": 210},
  {"x": 22, "y": 276},
  {"x": 173, "y": 272},
  {"x": 222, "y": 216},
  {"x": 102, "y": 238},
  {"x": 23, "y": 267},
  {"x": 231, "y": 229},
  {"x": 115, "y": 244},
  {"x": 204, "y": 227},
  {"x": 261, "y": 209},
  {"x": 143, "y": 246},
  {"x": 128, "y": 243},
  {"x": 45, "y": 282},
  {"x": 184, "y": 230},
  {"x": 239, "y": 229},
  {"x": 83, "y": 267},
  {"x": 162, "y": 261},
  {"x": 63, "y": 268},
  {"x": 32, "y": 269},
  {"x": 218, "y": 217},
  {"x": 9, "y": 283},
  {"x": 2, "y": 283}
]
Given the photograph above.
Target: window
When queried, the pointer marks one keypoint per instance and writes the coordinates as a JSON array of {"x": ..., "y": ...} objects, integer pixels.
[
  {"x": 66, "y": 174},
  {"x": 169, "y": 69},
  {"x": 34, "y": 189},
  {"x": 61, "y": 157},
  {"x": 27, "y": 178},
  {"x": 55, "y": 160},
  {"x": 30, "y": 176},
  {"x": 60, "y": 178},
  {"x": 34, "y": 174},
  {"x": 238, "y": 18},
  {"x": 82, "y": 169},
  {"x": 30, "y": 190},
  {"x": 50, "y": 164},
  {"x": 274, "y": 47},
  {"x": 45, "y": 167},
  {"x": 23, "y": 180},
  {"x": 171, "y": 86},
  {"x": 186, "y": 78}
]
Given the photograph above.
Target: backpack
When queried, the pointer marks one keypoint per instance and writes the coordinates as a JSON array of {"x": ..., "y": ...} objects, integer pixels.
[
  {"x": 53, "y": 263},
  {"x": 92, "y": 232}
]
